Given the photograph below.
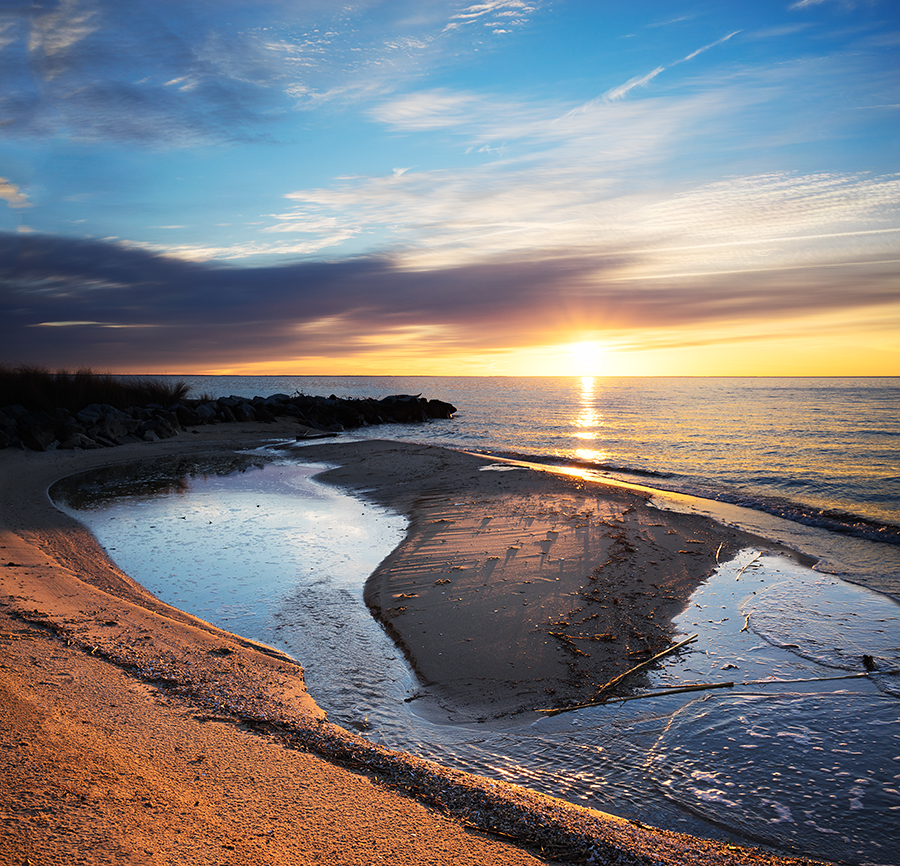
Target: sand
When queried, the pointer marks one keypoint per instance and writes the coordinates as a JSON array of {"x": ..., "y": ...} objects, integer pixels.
[{"x": 133, "y": 732}]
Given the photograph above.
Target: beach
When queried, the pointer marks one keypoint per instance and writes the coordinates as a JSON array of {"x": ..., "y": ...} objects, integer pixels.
[{"x": 134, "y": 732}]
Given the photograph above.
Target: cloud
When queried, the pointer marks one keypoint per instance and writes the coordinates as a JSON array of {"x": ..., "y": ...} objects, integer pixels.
[
  {"x": 425, "y": 110},
  {"x": 64, "y": 301},
  {"x": 670, "y": 21},
  {"x": 643, "y": 80},
  {"x": 638, "y": 81},
  {"x": 9, "y": 193},
  {"x": 511, "y": 12},
  {"x": 580, "y": 176},
  {"x": 693, "y": 54},
  {"x": 175, "y": 73},
  {"x": 147, "y": 73}
]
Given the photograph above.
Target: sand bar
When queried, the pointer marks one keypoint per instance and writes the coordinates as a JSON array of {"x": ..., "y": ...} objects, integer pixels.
[{"x": 133, "y": 732}]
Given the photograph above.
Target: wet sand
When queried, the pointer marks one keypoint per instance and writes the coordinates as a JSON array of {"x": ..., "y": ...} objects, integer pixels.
[
  {"x": 518, "y": 590},
  {"x": 133, "y": 732}
]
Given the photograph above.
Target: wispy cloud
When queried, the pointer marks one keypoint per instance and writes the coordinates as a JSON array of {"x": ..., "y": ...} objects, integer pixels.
[
  {"x": 670, "y": 21},
  {"x": 176, "y": 73},
  {"x": 642, "y": 80},
  {"x": 638, "y": 81},
  {"x": 431, "y": 109},
  {"x": 510, "y": 13},
  {"x": 693, "y": 54},
  {"x": 9, "y": 193}
]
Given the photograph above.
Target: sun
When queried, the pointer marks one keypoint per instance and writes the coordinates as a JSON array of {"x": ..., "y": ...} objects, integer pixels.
[{"x": 585, "y": 358}]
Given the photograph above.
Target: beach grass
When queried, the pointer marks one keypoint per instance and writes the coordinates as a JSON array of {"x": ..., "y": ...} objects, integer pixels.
[{"x": 38, "y": 388}]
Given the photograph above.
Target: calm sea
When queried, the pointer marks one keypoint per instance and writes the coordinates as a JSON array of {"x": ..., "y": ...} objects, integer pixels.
[
  {"x": 791, "y": 757},
  {"x": 821, "y": 453}
]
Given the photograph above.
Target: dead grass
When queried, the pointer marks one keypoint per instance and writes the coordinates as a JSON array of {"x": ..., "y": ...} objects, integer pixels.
[{"x": 37, "y": 387}]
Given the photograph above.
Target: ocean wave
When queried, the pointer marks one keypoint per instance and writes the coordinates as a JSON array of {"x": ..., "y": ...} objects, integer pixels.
[{"x": 841, "y": 522}]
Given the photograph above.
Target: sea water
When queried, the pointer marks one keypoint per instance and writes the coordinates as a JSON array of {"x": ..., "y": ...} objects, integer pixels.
[{"x": 789, "y": 756}]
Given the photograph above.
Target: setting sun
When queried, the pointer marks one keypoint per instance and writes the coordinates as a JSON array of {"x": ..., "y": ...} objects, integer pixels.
[{"x": 585, "y": 358}]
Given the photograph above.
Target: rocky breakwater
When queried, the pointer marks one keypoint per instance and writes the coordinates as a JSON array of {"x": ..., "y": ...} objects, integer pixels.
[{"x": 102, "y": 426}]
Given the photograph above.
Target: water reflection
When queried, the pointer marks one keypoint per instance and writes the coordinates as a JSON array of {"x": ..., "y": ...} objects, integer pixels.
[
  {"x": 588, "y": 422},
  {"x": 148, "y": 479}
]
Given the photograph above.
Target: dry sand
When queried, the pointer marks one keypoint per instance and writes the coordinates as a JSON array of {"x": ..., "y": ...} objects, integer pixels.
[{"x": 131, "y": 732}]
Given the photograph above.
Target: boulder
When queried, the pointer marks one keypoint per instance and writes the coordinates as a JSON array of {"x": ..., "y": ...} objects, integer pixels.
[
  {"x": 78, "y": 440},
  {"x": 225, "y": 414},
  {"x": 37, "y": 438},
  {"x": 160, "y": 426},
  {"x": 244, "y": 412},
  {"x": 187, "y": 417},
  {"x": 440, "y": 409},
  {"x": 206, "y": 412},
  {"x": 110, "y": 429}
]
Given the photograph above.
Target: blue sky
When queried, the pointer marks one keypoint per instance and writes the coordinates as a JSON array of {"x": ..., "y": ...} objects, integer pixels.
[{"x": 510, "y": 186}]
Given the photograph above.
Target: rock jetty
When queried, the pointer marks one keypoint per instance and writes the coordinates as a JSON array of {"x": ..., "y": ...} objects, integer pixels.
[{"x": 102, "y": 426}]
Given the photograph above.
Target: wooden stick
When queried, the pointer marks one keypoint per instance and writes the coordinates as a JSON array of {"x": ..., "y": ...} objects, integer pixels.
[
  {"x": 598, "y": 700},
  {"x": 738, "y": 575},
  {"x": 674, "y": 690},
  {"x": 649, "y": 661}
]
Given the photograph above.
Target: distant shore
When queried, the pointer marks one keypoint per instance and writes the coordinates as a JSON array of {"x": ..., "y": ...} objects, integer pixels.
[{"x": 120, "y": 713}]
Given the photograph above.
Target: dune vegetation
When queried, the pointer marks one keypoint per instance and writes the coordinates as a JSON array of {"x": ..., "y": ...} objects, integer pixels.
[{"x": 37, "y": 388}]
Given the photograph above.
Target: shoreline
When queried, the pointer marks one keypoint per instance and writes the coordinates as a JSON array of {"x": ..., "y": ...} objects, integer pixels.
[
  {"x": 517, "y": 590},
  {"x": 65, "y": 601}
]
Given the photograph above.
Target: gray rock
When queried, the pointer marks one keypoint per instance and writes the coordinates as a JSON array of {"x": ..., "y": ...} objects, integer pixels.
[{"x": 78, "y": 440}]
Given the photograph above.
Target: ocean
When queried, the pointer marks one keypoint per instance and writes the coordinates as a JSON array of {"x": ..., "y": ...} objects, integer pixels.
[{"x": 792, "y": 757}]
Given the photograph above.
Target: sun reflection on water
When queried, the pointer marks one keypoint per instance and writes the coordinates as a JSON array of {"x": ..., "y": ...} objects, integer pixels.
[{"x": 588, "y": 422}]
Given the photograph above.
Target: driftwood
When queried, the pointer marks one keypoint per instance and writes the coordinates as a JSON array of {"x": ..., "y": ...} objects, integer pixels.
[
  {"x": 646, "y": 663},
  {"x": 738, "y": 575},
  {"x": 674, "y": 690},
  {"x": 600, "y": 700}
]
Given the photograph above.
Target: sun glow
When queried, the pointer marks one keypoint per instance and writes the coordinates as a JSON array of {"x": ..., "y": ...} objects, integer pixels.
[{"x": 586, "y": 358}]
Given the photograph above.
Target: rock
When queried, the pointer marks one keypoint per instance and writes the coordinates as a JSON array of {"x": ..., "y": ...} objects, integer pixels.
[
  {"x": 7, "y": 421},
  {"x": 37, "y": 438},
  {"x": 92, "y": 414},
  {"x": 440, "y": 409},
  {"x": 160, "y": 426},
  {"x": 78, "y": 440},
  {"x": 111, "y": 429},
  {"x": 244, "y": 412},
  {"x": 102, "y": 425},
  {"x": 187, "y": 417},
  {"x": 225, "y": 414}
]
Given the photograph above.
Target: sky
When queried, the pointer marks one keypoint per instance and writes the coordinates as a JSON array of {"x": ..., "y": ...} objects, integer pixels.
[{"x": 504, "y": 187}]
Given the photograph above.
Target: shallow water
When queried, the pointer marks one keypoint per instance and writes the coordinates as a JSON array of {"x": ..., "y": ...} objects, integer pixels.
[
  {"x": 820, "y": 451},
  {"x": 811, "y": 766}
]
